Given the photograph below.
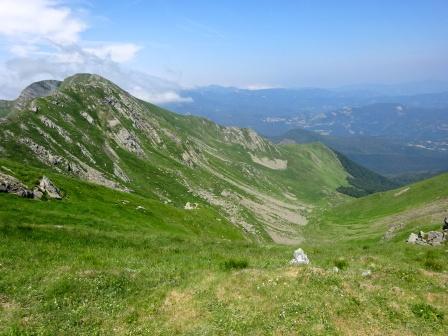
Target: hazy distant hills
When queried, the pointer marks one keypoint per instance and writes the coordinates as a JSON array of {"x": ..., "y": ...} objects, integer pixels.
[
  {"x": 405, "y": 131},
  {"x": 385, "y": 156},
  {"x": 274, "y": 111}
]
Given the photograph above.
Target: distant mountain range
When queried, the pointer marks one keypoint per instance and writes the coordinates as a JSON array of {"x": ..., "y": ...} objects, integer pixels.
[
  {"x": 388, "y": 157},
  {"x": 389, "y": 133}
]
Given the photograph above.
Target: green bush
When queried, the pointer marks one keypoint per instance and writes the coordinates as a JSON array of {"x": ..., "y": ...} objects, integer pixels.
[
  {"x": 341, "y": 263},
  {"x": 235, "y": 264}
]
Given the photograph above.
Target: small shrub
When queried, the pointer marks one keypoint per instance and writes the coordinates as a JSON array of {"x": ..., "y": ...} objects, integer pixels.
[
  {"x": 341, "y": 263},
  {"x": 427, "y": 312},
  {"x": 235, "y": 264}
]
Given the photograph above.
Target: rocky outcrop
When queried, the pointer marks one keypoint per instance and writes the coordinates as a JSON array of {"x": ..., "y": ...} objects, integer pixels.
[
  {"x": 299, "y": 258},
  {"x": 10, "y": 184},
  {"x": 432, "y": 238},
  {"x": 46, "y": 187}
]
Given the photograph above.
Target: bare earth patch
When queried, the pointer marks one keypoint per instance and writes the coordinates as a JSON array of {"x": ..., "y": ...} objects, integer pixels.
[{"x": 276, "y": 164}]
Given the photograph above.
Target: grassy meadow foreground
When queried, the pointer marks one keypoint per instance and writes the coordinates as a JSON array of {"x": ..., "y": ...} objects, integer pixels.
[
  {"x": 93, "y": 264},
  {"x": 173, "y": 224}
]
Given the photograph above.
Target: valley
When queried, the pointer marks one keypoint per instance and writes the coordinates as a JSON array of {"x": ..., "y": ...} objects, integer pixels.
[{"x": 172, "y": 224}]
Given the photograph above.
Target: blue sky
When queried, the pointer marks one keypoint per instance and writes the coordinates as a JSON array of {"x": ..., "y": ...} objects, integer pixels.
[{"x": 250, "y": 43}]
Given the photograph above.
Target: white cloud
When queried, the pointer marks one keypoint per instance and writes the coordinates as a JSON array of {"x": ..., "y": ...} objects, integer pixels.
[
  {"x": 159, "y": 97},
  {"x": 44, "y": 39},
  {"x": 117, "y": 52},
  {"x": 68, "y": 60},
  {"x": 260, "y": 87},
  {"x": 39, "y": 19}
]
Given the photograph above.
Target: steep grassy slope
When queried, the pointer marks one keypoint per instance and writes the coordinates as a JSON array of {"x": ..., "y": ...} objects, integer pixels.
[
  {"x": 362, "y": 180},
  {"x": 89, "y": 128},
  {"x": 394, "y": 213}
]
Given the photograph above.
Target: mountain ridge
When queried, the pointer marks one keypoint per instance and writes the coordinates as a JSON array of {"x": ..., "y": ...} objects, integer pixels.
[{"x": 89, "y": 128}]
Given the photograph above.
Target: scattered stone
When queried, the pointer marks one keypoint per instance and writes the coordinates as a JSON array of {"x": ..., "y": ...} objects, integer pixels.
[
  {"x": 33, "y": 107},
  {"x": 190, "y": 206},
  {"x": 47, "y": 187},
  {"x": 300, "y": 258},
  {"x": 335, "y": 269},
  {"x": 87, "y": 117},
  {"x": 366, "y": 273},
  {"x": 432, "y": 238},
  {"x": 140, "y": 208}
]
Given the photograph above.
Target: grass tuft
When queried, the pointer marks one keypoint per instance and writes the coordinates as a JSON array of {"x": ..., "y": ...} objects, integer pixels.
[
  {"x": 341, "y": 263},
  {"x": 427, "y": 312},
  {"x": 232, "y": 264}
]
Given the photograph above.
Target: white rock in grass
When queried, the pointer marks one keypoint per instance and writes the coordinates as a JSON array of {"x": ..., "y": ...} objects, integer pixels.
[
  {"x": 46, "y": 186},
  {"x": 412, "y": 238},
  {"x": 366, "y": 273},
  {"x": 300, "y": 258}
]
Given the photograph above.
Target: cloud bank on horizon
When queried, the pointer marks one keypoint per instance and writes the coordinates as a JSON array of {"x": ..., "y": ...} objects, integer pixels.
[
  {"x": 43, "y": 39},
  {"x": 155, "y": 48}
]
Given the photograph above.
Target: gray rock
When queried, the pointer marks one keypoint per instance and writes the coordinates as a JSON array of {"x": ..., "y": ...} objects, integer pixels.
[
  {"x": 37, "y": 193},
  {"x": 46, "y": 186},
  {"x": 12, "y": 185},
  {"x": 335, "y": 269},
  {"x": 412, "y": 238},
  {"x": 366, "y": 273},
  {"x": 435, "y": 237},
  {"x": 300, "y": 258}
]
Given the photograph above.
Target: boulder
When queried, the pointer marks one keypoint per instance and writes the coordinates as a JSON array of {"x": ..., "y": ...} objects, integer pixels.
[
  {"x": 37, "y": 193},
  {"x": 435, "y": 237},
  {"x": 47, "y": 187},
  {"x": 300, "y": 258},
  {"x": 190, "y": 206},
  {"x": 412, "y": 238},
  {"x": 10, "y": 184}
]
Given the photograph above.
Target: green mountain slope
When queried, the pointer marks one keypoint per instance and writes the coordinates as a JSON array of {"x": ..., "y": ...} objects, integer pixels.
[
  {"x": 89, "y": 128},
  {"x": 123, "y": 253},
  {"x": 391, "y": 158},
  {"x": 422, "y": 205},
  {"x": 362, "y": 180}
]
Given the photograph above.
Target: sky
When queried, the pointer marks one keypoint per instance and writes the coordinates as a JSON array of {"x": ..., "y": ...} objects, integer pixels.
[{"x": 153, "y": 48}]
